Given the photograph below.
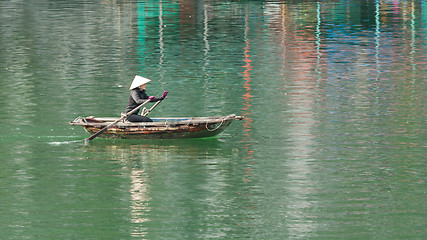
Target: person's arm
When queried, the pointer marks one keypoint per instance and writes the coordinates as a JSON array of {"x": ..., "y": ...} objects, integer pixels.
[
  {"x": 137, "y": 97},
  {"x": 154, "y": 99}
]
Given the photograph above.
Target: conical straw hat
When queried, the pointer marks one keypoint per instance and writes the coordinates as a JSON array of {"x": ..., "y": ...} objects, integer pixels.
[{"x": 138, "y": 81}]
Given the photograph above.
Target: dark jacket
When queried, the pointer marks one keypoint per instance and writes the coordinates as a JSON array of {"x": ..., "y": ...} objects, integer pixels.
[{"x": 136, "y": 97}]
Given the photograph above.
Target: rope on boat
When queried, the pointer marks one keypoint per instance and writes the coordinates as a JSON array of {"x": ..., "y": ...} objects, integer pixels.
[
  {"x": 82, "y": 119},
  {"x": 216, "y": 128}
]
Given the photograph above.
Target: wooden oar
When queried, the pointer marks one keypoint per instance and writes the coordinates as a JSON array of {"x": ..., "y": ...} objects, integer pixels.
[{"x": 114, "y": 123}]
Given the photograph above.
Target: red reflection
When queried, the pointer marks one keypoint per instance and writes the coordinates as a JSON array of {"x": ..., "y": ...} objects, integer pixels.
[{"x": 247, "y": 97}]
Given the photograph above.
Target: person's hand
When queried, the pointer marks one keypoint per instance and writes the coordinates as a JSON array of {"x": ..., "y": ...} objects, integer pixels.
[
  {"x": 164, "y": 95},
  {"x": 151, "y": 98}
]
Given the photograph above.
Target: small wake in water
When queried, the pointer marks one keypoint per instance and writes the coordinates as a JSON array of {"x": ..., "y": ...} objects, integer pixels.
[
  {"x": 66, "y": 142},
  {"x": 63, "y": 140}
]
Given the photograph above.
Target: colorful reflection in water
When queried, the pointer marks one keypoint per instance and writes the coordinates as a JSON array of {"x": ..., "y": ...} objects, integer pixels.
[
  {"x": 247, "y": 97},
  {"x": 332, "y": 145}
]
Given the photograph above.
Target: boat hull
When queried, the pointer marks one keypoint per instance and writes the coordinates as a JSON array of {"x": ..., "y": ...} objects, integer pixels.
[{"x": 160, "y": 128}]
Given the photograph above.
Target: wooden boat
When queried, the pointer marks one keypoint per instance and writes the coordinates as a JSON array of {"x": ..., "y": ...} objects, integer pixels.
[{"x": 160, "y": 128}]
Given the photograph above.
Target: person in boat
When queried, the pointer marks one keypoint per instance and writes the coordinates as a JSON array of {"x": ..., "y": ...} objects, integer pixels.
[{"x": 137, "y": 96}]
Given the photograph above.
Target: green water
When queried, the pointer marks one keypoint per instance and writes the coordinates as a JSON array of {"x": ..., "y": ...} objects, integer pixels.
[{"x": 332, "y": 145}]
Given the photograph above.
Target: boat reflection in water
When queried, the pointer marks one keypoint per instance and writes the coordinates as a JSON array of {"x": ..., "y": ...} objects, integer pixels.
[{"x": 170, "y": 180}]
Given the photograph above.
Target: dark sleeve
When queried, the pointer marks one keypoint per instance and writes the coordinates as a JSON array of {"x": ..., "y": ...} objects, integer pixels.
[
  {"x": 139, "y": 97},
  {"x": 156, "y": 99}
]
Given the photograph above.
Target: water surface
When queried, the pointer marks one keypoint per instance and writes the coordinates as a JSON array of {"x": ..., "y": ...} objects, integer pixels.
[{"x": 332, "y": 145}]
